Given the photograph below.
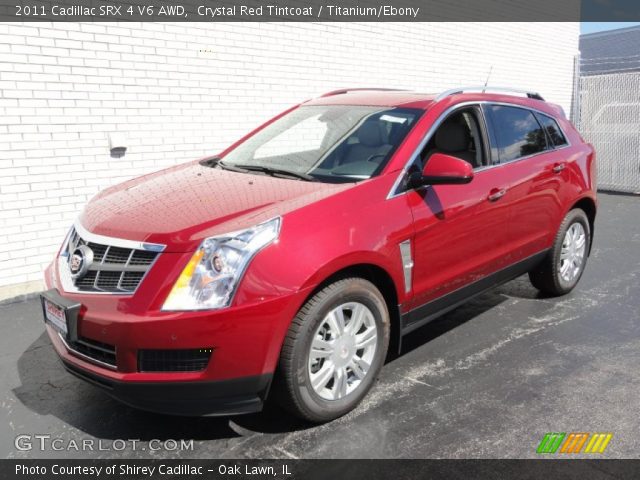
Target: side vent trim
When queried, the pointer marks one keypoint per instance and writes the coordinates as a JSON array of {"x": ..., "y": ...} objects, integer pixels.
[{"x": 407, "y": 264}]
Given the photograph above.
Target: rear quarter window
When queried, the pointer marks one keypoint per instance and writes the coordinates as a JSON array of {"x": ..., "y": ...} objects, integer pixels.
[
  {"x": 517, "y": 132},
  {"x": 553, "y": 130}
]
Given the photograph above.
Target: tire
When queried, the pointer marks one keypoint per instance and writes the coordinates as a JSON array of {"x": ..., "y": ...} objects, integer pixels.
[
  {"x": 317, "y": 323},
  {"x": 548, "y": 276}
]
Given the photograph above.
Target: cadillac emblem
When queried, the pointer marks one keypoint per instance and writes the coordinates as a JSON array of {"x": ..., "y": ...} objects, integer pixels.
[{"x": 80, "y": 261}]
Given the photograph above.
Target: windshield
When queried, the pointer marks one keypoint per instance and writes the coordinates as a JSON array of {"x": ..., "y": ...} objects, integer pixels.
[{"x": 335, "y": 143}]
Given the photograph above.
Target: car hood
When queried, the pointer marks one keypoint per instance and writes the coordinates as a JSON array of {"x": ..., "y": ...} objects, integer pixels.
[{"x": 180, "y": 206}]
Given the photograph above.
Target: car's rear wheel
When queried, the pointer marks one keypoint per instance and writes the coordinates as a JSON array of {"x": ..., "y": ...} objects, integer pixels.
[
  {"x": 562, "y": 268},
  {"x": 334, "y": 350}
]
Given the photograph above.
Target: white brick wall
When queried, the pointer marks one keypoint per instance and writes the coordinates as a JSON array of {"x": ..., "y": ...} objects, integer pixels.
[{"x": 179, "y": 91}]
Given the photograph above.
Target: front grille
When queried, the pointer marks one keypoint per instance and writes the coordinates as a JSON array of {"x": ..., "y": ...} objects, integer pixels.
[
  {"x": 113, "y": 270},
  {"x": 193, "y": 360},
  {"x": 101, "y": 352},
  {"x": 117, "y": 255}
]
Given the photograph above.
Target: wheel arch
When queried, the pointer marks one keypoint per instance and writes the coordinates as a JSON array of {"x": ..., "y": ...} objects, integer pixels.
[
  {"x": 588, "y": 206},
  {"x": 383, "y": 281}
]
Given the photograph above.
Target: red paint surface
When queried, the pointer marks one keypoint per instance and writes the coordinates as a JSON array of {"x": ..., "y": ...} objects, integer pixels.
[{"x": 457, "y": 237}]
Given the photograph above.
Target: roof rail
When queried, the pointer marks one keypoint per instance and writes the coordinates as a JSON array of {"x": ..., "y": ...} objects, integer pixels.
[
  {"x": 483, "y": 89},
  {"x": 347, "y": 90}
]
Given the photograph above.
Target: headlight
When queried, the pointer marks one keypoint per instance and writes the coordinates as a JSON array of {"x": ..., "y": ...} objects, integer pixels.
[{"x": 210, "y": 278}]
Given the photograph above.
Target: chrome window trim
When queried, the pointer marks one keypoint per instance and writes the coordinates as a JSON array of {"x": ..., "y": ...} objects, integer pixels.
[
  {"x": 66, "y": 282},
  {"x": 84, "y": 357},
  {"x": 396, "y": 185}
]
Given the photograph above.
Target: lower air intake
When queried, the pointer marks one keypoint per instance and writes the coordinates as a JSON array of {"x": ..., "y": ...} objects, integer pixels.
[{"x": 192, "y": 360}]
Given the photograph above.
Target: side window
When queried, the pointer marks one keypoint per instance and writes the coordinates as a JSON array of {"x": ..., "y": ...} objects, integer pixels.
[
  {"x": 460, "y": 135},
  {"x": 553, "y": 130},
  {"x": 517, "y": 131}
]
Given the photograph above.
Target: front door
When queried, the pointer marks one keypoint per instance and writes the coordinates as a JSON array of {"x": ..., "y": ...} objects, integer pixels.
[{"x": 460, "y": 230}]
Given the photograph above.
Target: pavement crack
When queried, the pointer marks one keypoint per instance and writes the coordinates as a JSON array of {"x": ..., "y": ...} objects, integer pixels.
[
  {"x": 288, "y": 454},
  {"x": 421, "y": 382}
]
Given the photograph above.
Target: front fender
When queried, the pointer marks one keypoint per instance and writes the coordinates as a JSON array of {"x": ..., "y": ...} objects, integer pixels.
[{"x": 353, "y": 227}]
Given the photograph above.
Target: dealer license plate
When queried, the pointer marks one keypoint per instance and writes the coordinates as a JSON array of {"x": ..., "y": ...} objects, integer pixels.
[{"x": 55, "y": 316}]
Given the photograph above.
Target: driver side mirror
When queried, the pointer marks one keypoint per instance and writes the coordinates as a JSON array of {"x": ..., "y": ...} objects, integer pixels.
[{"x": 442, "y": 169}]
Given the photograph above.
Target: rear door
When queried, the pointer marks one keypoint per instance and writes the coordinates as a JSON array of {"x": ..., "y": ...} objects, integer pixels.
[{"x": 532, "y": 171}]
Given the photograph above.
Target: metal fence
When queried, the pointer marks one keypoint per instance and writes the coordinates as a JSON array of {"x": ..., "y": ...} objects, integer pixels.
[{"x": 608, "y": 116}]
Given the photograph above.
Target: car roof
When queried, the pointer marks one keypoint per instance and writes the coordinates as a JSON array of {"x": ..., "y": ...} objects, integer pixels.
[
  {"x": 409, "y": 99},
  {"x": 375, "y": 98}
]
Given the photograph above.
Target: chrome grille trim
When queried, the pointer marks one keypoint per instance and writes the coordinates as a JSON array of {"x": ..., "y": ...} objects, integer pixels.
[
  {"x": 112, "y": 271},
  {"x": 116, "y": 242},
  {"x": 84, "y": 357}
]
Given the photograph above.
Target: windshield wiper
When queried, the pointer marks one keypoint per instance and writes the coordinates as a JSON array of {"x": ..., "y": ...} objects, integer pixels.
[
  {"x": 233, "y": 168},
  {"x": 215, "y": 162},
  {"x": 276, "y": 171}
]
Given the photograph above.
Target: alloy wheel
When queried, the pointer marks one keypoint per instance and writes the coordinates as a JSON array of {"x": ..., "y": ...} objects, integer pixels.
[
  {"x": 572, "y": 254},
  {"x": 342, "y": 350}
]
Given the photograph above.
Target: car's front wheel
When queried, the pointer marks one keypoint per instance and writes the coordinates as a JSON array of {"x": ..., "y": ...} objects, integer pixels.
[
  {"x": 561, "y": 269},
  {"x": 334, "y": 350}
]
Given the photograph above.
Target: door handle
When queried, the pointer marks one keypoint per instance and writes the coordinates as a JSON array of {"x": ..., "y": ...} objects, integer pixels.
[
  {"x": 496, "y": 194},
  {"x": 558, "y": 167}
]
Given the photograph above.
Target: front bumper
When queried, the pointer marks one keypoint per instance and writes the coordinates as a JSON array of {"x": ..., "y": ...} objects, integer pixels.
[
  {"x": 245, "y": 342},
  {"x": 223, "y": 397}
]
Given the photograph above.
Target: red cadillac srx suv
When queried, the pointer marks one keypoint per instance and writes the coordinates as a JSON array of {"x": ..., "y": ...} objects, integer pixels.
[{"x": 285, "y": 264}]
